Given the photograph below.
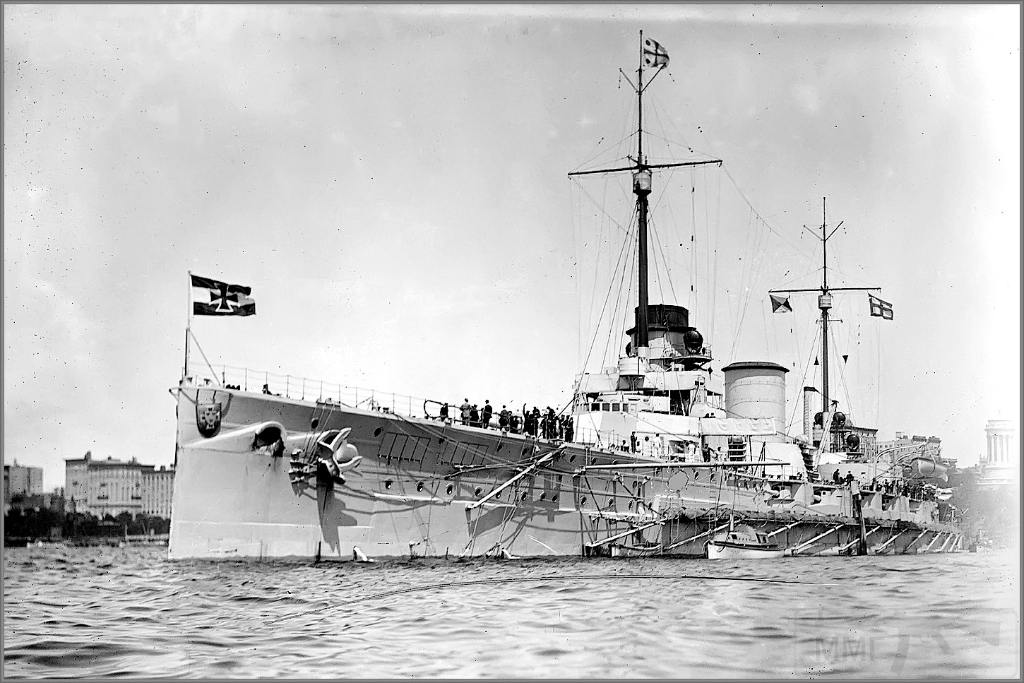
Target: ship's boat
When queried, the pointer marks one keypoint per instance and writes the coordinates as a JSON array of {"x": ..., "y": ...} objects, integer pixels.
[
  {"x": 742, "y": 542},
  {"x": 649, "y": 456}
]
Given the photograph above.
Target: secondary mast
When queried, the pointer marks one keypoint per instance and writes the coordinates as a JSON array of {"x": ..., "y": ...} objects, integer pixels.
[{"x": 824, "y": 304}]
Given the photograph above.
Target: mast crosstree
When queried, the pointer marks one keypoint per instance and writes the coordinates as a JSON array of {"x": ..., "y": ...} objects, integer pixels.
[{"x": 656, "y": 56}]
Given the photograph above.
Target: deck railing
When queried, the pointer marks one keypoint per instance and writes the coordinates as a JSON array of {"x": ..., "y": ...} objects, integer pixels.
[{"x": 306, "y": 389}]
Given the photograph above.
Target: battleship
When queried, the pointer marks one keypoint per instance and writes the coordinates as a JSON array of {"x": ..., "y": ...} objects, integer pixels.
[{"x": 659, "y": 454}]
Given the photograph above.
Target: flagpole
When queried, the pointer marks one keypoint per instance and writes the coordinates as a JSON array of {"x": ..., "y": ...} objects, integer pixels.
[{"x": 188, "y": 323}]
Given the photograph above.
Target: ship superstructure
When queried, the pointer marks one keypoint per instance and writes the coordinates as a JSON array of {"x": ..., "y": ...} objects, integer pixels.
[{"x": 665, "y": 452}]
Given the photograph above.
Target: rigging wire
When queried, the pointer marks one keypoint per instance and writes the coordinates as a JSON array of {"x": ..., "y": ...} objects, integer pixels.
[
  {"x": 613, "y": 324},
  {"x": 764, "y": 221},
  {"x": 594, "y": 335},
  {"x": 599, "y": 206},
  {"x": 693, "y": 240},
  {"x": 627, "y": 300},
  {"x": 622, "y": 252},
  {"x": 803, "y": 383},
  {"x": 664, "y": 258},
  {"x": 654, "y": 261},
  {"x": 750, "y": 270},
  {"x": 842, "y": 376},
  {"x": 715, "y": 260}
]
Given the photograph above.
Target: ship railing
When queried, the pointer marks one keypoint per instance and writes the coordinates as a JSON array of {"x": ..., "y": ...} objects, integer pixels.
[{"x": 306, "y": 389}]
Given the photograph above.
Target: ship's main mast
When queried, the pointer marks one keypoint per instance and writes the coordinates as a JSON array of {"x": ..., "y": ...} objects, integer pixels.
[
  {"x": 655, "y": 56},
  {"x": 642, "y": 188}
]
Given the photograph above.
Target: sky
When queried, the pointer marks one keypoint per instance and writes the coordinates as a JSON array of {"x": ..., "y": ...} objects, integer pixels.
[{"x": 391, "y": 181}]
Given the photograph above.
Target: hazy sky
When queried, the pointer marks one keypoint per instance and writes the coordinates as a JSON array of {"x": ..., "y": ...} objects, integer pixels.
[{"x": 391, "y": 182}]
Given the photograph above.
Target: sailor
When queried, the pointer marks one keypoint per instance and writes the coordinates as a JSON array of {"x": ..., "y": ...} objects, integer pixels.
[
  {"x": 503, "y": 418},
  {"x": 513, "y": 423},
  {"x": 466, "y": 409},
  {"x": 849, "y": 478},
  {"x": 568, "y": 429},
  {"x": 474, "y": 417},
  {"x": 534, "y": 421},
  {"x": 488, "y": 411},
  {"x": 444, "y": 412},
  {"x": 266, "y": 388},
  {"x": 632, "y": 442},
  {"x": 835, "y": 476}
]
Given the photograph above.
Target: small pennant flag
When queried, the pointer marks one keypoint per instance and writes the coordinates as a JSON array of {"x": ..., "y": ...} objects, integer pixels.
[
  {"x": 879, "y": 308},
  {"x": 654, "y": 54},
  {"x": 224, "y": 299},
  {"x": 780, "y": 304}
]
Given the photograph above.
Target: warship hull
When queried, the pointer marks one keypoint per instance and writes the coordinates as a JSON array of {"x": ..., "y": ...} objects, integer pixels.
[{"x": 428, "y": 488}]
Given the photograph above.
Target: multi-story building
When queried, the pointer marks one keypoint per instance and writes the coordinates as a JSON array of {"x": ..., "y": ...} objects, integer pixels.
[
  {"x": 157, "y": 489},
  {"x": 112, "y": 487},
  {"x": 22, "y": 481}
]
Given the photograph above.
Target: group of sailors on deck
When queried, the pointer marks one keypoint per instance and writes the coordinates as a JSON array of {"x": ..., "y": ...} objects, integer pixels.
[
  {"x": 546, "y": 425},
  {"x": 892, "y": 487}
]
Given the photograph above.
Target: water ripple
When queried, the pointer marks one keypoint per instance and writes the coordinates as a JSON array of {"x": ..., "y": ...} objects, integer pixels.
[{"x": 102, "y": 612}]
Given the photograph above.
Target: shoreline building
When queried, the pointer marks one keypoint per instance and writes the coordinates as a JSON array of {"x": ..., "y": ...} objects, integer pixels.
[
  {"x": 1000, "y": 465},
  {"x": 157, "y": 491},
  {"x": 112, "y": 487},
  {"x": 21, "y": 481}
]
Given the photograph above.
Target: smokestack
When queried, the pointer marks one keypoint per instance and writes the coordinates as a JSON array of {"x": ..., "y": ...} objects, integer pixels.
[{"x": 809, "y": 412}]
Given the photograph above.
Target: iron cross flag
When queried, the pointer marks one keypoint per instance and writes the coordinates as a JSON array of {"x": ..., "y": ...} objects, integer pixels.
[
  {"x": 654, "y": 54},
  {"x": 879, "y": 308},
  {"x": 225, "y": 299}
]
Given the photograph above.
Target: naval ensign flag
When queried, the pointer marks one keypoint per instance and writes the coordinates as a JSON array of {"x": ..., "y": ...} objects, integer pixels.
[
  {"x": 879, "y": 308},
  {"x": 224, "y": 299}
]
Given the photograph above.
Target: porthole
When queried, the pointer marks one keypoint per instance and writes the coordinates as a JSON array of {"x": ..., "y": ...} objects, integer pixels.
[
  {"x": 419, "y": 486},
  {"x": 583, "y": 500},
  {"x": 543, "y": 496},
  {"x": 524, "y": 496},
  {"x": 554, "y": 498},
  {"x": 388, "y": 483},
  {"x": 478, "y": 491},
  {"x": 498, "y": 449},
  {"x": 314, "y": 422},
  {"x": 440, "y": 439},
  {"x": 448, "y": 489},
  {"x": 572, "y": 458},
  {"x": 377, "y": 431}
]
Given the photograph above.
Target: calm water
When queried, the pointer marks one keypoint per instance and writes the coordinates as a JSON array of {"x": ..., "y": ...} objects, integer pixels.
[{"x": 130, "y": 612}]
